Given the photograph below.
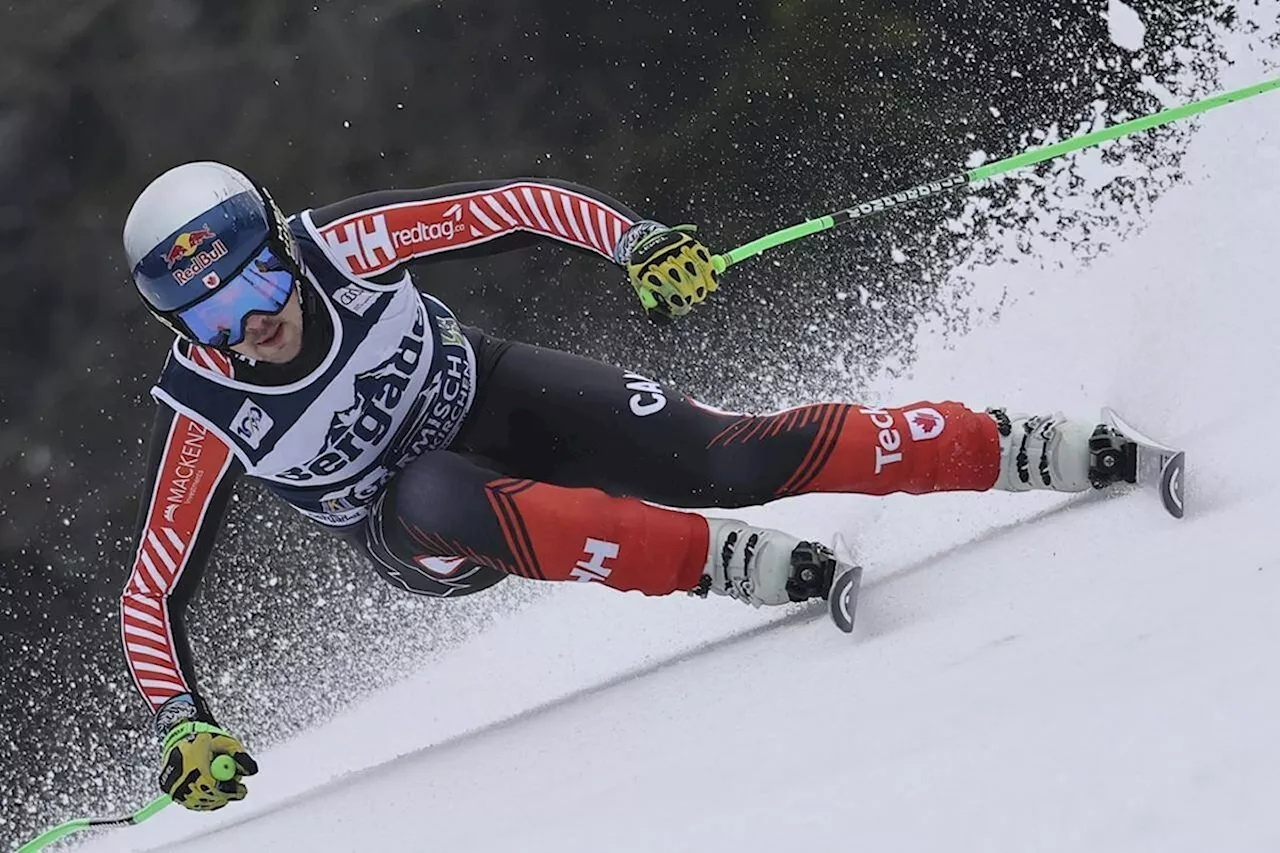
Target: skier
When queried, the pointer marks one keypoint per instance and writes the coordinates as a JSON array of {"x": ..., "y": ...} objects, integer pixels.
[{"x": 307, "y": 358}]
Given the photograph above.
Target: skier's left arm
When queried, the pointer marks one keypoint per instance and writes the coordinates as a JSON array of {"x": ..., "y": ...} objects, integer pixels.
[{"x": 376, "y": 234}]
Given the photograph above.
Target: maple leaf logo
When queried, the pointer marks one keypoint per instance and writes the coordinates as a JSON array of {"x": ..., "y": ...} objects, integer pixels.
[{"x": 925, "y": 423}]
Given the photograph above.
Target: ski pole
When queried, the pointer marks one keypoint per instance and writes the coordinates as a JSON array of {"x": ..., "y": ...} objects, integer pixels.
[
  {"x": 63, "y": 830},
  {"x": 962, "y": 179},
  {"x": 223, "y": 769}
]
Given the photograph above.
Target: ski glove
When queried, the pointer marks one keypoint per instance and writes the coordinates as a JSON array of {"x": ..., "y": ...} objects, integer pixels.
[
  {"x": 202, "y": 766},
  {"x": 671, "y": 271}
]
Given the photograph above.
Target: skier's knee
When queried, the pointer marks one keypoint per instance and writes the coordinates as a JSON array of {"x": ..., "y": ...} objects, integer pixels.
[
  {"x": 444, "y": 576},
  {"x": 728, "y": 483}
]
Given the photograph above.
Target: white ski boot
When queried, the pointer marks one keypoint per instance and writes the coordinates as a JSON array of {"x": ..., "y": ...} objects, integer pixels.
[
  {"x": 1053, "y": 452},
  {"x": 764, "y": 567}
]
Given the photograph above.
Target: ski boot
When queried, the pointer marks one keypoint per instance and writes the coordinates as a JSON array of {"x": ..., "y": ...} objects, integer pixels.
[
  {"x": 765, "y": 567},
  {"x": 1053, "y": 452}
]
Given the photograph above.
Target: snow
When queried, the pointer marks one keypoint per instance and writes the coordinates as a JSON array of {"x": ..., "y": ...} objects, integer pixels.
[
  {"x": 1028, "y": 672},
  {"x": 1125, "y": 26}
]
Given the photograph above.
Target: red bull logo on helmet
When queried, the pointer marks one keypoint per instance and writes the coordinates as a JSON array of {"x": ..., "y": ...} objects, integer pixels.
[{"x": 187, "y": 246}]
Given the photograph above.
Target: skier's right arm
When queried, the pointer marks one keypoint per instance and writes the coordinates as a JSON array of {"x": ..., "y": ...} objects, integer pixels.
[
  {"x": 191, "y": 472},
  {"x": 190, "y": 475}
]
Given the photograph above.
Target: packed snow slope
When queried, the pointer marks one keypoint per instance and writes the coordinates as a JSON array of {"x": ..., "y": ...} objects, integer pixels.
[{"x": 1028, "y": 672}]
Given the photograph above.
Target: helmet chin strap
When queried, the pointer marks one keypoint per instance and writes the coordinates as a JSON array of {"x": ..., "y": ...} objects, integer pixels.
[{"x": 167, "y": 322}]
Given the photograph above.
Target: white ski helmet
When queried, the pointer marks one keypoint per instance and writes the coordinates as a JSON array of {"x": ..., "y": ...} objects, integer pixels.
[{"x": 207, "y": 248}]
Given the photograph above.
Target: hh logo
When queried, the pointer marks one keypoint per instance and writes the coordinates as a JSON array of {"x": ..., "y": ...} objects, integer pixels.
[
  {"x": 925, "y": 423},
  {"x": 365, "y": 243},
  {"x": 373, "y": 243},
  {"x": 593, "y": 567}
]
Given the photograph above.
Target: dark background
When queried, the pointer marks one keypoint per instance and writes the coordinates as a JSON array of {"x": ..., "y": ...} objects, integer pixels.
[{"x": 740, "y": 116}]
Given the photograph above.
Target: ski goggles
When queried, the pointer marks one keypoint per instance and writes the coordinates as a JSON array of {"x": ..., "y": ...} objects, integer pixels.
[{"x": 263, "y": 286}]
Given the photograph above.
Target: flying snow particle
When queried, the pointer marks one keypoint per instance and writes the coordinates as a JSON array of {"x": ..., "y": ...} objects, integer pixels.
[
  {"x": 1127, "y": 29},
  {"x": 976, "y": 159}
]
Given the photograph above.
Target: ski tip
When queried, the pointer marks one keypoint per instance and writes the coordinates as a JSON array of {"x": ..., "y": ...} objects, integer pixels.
[
  {"x": 842, "y": 601},
  {"x": 1173, "y": 483},
  {"x": 1113, "y": 419}
]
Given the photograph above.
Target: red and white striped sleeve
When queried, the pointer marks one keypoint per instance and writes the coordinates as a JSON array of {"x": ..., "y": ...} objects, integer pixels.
[
  {"x": 212, "y": 360},
  {"x": 188, "y": 489},
  {"x": 372, "y": 234}
]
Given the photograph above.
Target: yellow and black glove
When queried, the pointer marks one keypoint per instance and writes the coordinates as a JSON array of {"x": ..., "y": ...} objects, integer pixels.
[
  {"x": 671, "y": 271},
  {"x": 202, "y": 766}
]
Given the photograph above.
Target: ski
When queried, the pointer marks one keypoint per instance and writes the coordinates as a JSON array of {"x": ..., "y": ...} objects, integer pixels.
[
  {"x": 842, "y": 601},
  {"x": 1158, "y": 465}
]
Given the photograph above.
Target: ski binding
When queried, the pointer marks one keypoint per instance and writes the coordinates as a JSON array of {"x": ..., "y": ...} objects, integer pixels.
[{"x": 1157, "y": 465}]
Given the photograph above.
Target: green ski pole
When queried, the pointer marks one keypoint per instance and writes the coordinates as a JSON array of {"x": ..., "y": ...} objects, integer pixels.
[
  {"x": 224, "y": 768},
  {"x": 962, "y": 179},
  {"x": 63, "y": 830}
]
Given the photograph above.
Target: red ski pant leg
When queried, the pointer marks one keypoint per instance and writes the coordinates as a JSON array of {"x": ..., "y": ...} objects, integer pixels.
[
  {"x": 923, "y": 447},
  {"x": 444, "y": 505},
  {"x": 559, "y": 533}
]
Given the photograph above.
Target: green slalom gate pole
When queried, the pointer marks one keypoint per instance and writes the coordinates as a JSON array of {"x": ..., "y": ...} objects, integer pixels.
[
  {"x": 963, "y": 179},
  {"x": 223, "y": 769}
]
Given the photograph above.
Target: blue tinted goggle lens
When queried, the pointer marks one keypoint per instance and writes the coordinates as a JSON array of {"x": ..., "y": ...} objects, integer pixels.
[{"x": 262, "y": 287}]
